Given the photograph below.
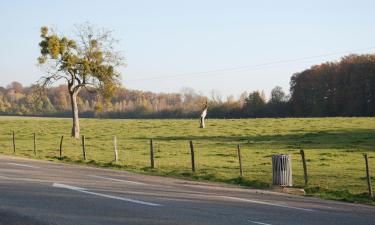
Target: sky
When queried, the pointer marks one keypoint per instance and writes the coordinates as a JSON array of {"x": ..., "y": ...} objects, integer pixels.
[{"x": 226, "y": 46}]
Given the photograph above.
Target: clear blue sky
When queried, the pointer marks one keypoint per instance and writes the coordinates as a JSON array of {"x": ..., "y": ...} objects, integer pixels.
[{"x": 167, "y": 38}]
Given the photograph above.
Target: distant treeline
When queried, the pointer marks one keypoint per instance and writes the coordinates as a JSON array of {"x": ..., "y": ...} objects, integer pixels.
[{"x": 344, "y": 88}]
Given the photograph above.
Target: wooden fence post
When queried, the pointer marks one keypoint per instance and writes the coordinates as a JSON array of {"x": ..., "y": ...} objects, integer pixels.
[
  {"x": 368, "y": 177},
  {"x": 61, "y": 144},
  {"x": 83, "y": 147},
  {"x": 302, "y": 152},
  {"x": 152, "y": 154},
  {"x": 14, "y": 143},
  {"x": 34, "y": 138},
  {"x": 240, "y": 160},
  {"x": 192, "y": 156},
  {"x": 115, "y": 145}
]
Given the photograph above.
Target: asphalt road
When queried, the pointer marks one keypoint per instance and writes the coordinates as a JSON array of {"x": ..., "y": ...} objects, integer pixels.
[{"x": 39, "y": 192}]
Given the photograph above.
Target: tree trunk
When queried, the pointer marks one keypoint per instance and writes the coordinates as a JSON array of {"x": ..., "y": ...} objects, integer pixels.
[
  {"x": 75, "y": 128},
  {"x": 203, "y": 116}
]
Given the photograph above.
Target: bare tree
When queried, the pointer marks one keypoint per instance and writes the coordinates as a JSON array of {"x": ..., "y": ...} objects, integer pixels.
[{"x": 216, "y": 96}]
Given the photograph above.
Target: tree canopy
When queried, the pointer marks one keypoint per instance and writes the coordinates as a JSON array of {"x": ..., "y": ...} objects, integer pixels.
[
  {"x": 87, "y": 60},
  {"x": 344, "y": 88}
]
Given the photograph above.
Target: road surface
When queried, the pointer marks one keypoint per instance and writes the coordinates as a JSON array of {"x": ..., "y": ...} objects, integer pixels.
[{"x": 39, "y": 192}]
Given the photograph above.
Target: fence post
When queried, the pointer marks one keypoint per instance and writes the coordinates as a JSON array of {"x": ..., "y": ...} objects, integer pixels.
[
  {"x": 302, "y": 152},
  {"x": 152, "y": 154},
  {"x": 61, "y": 144},
  {"x": 192, "y": 156},
  {"x": 34, "y": 138},
  {"x": 115, "y": 145},
  {"x": 14, "y": 143},
  {"x": 83, "y": 147},
  {"x": 368, "y": 177},
  {"x": 240, "y": 160}
]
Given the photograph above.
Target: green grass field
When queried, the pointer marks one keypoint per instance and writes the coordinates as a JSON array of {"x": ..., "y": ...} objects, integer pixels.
[{"x": 333, "y": 148}]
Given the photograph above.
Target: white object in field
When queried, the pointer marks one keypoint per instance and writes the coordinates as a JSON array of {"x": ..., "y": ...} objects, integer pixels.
[{"x": 203, "y": 116}]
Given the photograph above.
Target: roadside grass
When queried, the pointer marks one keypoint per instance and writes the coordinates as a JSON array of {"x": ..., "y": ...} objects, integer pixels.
[{"x": 333, "y": 149}]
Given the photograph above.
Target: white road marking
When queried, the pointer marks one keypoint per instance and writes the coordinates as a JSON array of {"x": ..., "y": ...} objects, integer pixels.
[
  {"x": 79, "y": 189},
  {"x": 255, "y": 222},
  {"x": 58, "y": 185},
  {"x": 23, "y": 165},
  {"x": 113, "y": 179},
  {"x": 266, "y": 203}
]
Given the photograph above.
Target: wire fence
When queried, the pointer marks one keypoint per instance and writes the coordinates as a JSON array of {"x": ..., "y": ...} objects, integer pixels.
[{"x": 316, "y": 170}]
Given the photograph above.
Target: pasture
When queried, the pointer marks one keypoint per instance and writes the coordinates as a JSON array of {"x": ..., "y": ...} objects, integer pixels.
[{"x": 333, "y": 148}]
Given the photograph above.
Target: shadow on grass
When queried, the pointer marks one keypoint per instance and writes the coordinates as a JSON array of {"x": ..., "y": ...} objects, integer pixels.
[
  {"x": 328, "y": 139},
  {"x": 205, "y": 176},
  {"x": 111, "y": 164},
  {"x": 342, "y": 195},
  {"x": 62, "y": 158},
  {"x": 249, "y": 183}
]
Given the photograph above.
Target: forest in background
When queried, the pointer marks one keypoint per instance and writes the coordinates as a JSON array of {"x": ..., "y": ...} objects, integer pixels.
[{"x": 342, "y": 88}]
